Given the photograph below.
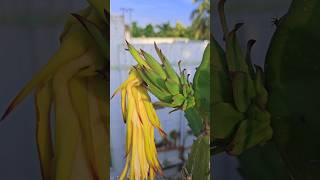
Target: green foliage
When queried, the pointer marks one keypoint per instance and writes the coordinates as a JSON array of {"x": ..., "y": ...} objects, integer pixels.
[
  {"x": 149, "y": 31},
  {"x": 136, "y": 31},
  {"x": 291, "y": 103},
  {"x": 198, "y": 30},
  {"x": 165, "y": 30},
  {"x": 292, "y": 72},
  {"x": 201, "y": 19},
  {"x": 195, "y": 121},
  {"x": 240, "y": 120},
  {"x": 197, "y": 166},
  {"x": 201, "y": 86},
  {"x": 161, "y": 30},
  {"x": 263, "y": 163}
]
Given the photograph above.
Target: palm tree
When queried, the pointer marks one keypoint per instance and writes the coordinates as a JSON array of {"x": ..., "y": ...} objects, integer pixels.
[{"x": 201, "y": 19}]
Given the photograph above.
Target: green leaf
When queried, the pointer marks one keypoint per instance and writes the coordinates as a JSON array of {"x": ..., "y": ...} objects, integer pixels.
[
  {"x": 197, "y": 165},
  {"x": 201, "y": 85},
  {"x": 194, "y": 120},
  {"x": 292, "y": 74}
]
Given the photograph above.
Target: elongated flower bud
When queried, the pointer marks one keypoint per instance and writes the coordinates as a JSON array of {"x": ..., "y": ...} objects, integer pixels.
[{"x": 162, "y": 81}]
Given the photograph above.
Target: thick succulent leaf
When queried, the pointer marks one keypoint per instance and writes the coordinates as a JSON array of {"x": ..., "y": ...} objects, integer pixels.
[
  {"x": 201, "y": 85},
  {"x": 194, "y": 120},
  {"x": 197, "y": 165},
  {"x": 292, "y": 72},
  {"x": 263, "y": 163}
]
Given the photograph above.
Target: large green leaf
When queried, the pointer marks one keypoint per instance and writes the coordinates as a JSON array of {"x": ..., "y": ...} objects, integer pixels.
[
  {"x": 293, "y": 71},
  {"x": 194, "y": 120},
  {"x": 201, "y": 85},
  {"x": 197, "y": 165}
]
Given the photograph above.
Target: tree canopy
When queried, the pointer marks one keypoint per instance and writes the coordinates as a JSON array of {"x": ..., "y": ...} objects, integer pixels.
[
  {"x": 198, "y": 30},
  {"x": 161, "y": 30}
]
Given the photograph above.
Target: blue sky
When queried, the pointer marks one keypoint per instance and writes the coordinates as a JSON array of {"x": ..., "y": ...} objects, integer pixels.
[{"x": 155, "y": 11}]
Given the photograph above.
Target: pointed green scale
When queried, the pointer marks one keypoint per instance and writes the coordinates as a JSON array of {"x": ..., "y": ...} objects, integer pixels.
[
  {"x": 166, "y": 97},
  {"x": 156, "y": 80},
  {"x": 143, "y": 76},
  {"x": 234, "y": 57},
  {"x": 172, "y": 87},
  {"x": 178, "y": 100},
  {"x": 227, "y": 119},
  {"x": 154, "y": 65},
  {"x": 252, "y": 131},
  {"x": 136, "y": 55},
  {"x": 153, "y": 86},
  {"x": 240, "y": 91},
  {"x": 159, "y": 93},
  {"x": 220, "y": 79},
  {"x": 167, "y": 66}
]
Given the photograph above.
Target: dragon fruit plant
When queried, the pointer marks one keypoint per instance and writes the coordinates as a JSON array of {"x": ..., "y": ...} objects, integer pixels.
[
  {"x": 173, "y": 90},
  {"x": 74, "y": 86},
  {"x": 269, "y": 120}
]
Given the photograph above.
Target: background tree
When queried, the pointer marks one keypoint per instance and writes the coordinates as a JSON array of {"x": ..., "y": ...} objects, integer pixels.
[
  {"x": 181, "y": 31},
  {"x": 201, "y": 19},
  {"x": 164, "y": 30},
  {"x": 136, "y": 31},
  {"x": 149, "y": 31}
]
